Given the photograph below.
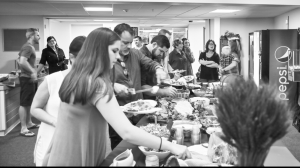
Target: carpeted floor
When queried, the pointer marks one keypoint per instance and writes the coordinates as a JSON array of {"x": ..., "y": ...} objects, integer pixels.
[{"x": 16, "y": 150}]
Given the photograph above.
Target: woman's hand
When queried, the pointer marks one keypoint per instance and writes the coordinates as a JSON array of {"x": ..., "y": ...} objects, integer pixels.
[{"x": 181, "y": 151}]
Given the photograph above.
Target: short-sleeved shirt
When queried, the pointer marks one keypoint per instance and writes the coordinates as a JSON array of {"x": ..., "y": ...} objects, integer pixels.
[
  {"x": 208, "y": 72},
  {"x": 27, "y": 51},
  {"x": 226, "y": 60}
]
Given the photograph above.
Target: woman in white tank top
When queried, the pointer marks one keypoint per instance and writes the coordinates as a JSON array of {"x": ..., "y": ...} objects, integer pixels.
[{"x": 46, "y": 103}]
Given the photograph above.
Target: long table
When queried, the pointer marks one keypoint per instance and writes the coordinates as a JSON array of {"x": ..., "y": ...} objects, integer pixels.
[{"x": 278, "y": 155}]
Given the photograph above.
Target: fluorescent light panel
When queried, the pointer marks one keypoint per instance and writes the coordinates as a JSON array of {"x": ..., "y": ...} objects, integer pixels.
[
  {"x": 199, "y": 21},
  {"x": 224, "y": 11},
  {"x": 103, "y": 20},
  {"x": 104, "y": 9}
]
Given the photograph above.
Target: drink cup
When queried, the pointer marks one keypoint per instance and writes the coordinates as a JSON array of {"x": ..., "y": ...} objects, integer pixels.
[{"x": 124, "y": 159}]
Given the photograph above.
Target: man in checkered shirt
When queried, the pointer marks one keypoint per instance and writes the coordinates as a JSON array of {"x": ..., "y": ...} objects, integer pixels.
[{"x": 225, "y": 60}]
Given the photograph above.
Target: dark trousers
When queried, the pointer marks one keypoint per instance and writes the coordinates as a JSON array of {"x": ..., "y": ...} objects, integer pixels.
[{"x": 115, "y": 138}]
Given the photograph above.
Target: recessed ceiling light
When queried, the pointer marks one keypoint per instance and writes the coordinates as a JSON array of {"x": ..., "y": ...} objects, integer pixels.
[
  {"x": 224, "y": 11},
  {"x": 103, "y": 20},
  {"x": 98, "y": 9},
  {"x": 161, "y": 24},
  {"x": 199, "y": 21}
]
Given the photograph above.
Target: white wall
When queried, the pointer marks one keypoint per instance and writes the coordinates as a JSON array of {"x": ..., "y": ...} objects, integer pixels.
[
  {"x": 195, "y": 36},
  {"x": 66, "y": 32},
  {"x": 243, "y": 27},
  {"x": 18, "y": 22},
  {"x": 294, "y": 20}
]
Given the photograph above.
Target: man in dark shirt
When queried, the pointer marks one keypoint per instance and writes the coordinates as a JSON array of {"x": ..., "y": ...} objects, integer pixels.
[
  {"x": 127, "y": 74},
  {"x": 155, "y": 50}
]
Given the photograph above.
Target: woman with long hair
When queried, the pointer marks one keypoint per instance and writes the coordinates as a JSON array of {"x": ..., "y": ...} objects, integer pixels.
[
  {"x": 46, "y": 102},
  {"x": 189, "y": 55},
  {"x": 53, "y": 56},
  {"x": 209, "y": 63},
  {"x": 88, "y": 103}
]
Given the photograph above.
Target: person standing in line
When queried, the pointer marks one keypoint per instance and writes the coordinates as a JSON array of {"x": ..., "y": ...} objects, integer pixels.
[
  {"x": 230, "y": 61},
  {"x": 138, "y": 42},
  {"x": 165, "y": 32},
  {"x": 177, "y": 58},
  {"x": 54, "y": 56},
  {"x": 28, "y": 81},
  {"x": 189, "y": 55},
  {"x": 88, "y": 103},
  {"x": 167, "y": 66},
  {"x": 127, "y": 74},
  {"x": 46, "y": 102},
  {"x": 209, "y": 63},
  {"x": 155, "y": 50}
]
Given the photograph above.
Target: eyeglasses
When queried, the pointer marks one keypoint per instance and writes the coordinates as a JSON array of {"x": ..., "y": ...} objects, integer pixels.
[{"x": 125, "y": 71}]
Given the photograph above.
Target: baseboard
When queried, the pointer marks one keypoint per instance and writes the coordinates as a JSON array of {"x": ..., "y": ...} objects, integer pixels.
[{"x": 3, "y": 133}]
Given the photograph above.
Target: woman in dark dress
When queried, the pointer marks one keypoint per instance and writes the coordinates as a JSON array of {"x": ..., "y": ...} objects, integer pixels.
[
  {"x": 53, "y": 56},
  {"x": 209, "y": 63},
  {"x": 177, "y": 58}
]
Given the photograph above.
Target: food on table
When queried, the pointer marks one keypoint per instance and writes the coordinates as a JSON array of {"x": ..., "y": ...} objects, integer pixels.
[
  {"x": 188, "y": 78},
  {"x": 139, "y": 105},
  {"x": 224, "y": 153},
  {"x": 157, "y": 130}
]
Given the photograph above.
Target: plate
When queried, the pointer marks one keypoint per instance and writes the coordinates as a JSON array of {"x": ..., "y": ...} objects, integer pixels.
[
  {"x": 189, "y": 78},
  {"x": 186, "y": 124},
  {"x": 152, "y": 110},
  {"x": 112, "y": 165}
]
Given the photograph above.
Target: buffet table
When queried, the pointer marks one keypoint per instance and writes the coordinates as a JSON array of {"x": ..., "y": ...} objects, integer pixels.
[{"x": 279, "y": 155}]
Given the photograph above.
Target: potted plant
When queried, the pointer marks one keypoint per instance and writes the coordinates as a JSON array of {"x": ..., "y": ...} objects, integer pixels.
[{"x": 252, "y": 119}]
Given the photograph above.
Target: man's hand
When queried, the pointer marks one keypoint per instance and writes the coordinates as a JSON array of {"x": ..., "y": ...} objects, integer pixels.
[
  {"x": 34, "y": 77},
  {"x": 161, "y": 75},
  {"x": 168, "y": 91},
  {"x": 121, "y": 90}
]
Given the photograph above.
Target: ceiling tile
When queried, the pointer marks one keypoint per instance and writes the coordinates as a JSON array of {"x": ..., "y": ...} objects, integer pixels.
[
  {"x": 100, "y": 13},
  {"x": 177, "y": 9},
  {"x": 198, "y": 11}
]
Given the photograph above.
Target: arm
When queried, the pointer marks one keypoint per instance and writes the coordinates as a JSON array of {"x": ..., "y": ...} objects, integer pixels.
[
  {"x": 39, "y": 102},
  {"x": 147, "y": 64},
  {"x": 229, "y": 67},
  {"x": 167, "y": 91},
  {"x": 41, "y": 66},
  {"x": 203, "y": 62},
  {"x": 133, "y": 134},
  {"x": 214, "y": 65},
  {"x": 24, "y": 63}
]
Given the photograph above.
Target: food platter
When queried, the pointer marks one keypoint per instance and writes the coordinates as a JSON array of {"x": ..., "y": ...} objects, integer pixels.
[
  {"x": 189, "y": 78},
  {"x": 141, "y": 107}
]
